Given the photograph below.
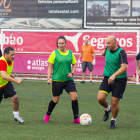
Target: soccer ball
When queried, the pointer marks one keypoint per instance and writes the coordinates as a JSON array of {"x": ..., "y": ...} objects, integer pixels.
[{"x": 85, "y": 119}]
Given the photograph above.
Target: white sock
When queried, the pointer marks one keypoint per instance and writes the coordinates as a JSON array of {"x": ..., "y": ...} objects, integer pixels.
[
  {"x": 16, "y": 113},
  {"x": 108, "y": 108},
  {"x": 113, "y": 119}
]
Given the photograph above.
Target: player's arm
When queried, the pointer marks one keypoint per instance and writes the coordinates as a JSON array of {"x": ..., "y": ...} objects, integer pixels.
[
  {"x": 137, "y": 62},
  {"x": 12, "y": 76},
  {"x": 50, "y": 67},
  {"x": 94, "y": 55},
  {"x": 73, "y": 66},
  {"x": 104, "y": 52},
  {"x": 93, "y": 52},
  {"x": 122, "y": 69},
  {"x": 5, "y": 76},
  {"x": 80, "y": 56},
  {"x": 133, "y": 78}
]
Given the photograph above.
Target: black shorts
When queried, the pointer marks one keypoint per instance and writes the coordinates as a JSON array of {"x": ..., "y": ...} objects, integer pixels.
[
  {"x": 87, "y": 64},
  {"x": 117, "y": 88},
  {"x": 8, "y": 91},
  {"x": 57, "y": 87}
]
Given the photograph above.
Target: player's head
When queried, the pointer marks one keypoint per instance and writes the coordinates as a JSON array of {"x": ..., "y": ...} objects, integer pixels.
[
  {"x": 86, "y": 41},
  {"x": 111, "y": 42},
  {"x": 9, "y": 53},
  {"x": 61, "y": 43}
]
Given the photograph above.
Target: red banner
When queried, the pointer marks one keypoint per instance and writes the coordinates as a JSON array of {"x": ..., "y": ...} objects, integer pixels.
[{"x": 46, "y": 41}]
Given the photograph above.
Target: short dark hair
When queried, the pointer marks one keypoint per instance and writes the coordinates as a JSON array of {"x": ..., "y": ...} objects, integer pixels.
[
  {"x": 8, "y": 49},
  {"x": 60, "y": 37}
]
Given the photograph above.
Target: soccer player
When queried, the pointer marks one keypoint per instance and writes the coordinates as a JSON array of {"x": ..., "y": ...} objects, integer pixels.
[
  {"x": 115, "y": 79},
  {"x": 137, "y": 63},
  {"x": 6, "y": 87},
  {"x": 134, "y": 78},
  {"x": 62, "y": 78},
  {"x": 86, "y": 53},
  {"x": 0, "y": 53}
]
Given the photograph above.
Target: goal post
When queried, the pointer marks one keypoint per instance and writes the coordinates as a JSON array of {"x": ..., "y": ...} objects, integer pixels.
[{"x": 33, "y": 48}]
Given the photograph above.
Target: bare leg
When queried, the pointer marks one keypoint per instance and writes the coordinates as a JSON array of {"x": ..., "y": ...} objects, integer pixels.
[
  {"x": 91, "y": 74},
  {"x": 83, "y": 75},
  {"x": 115, "y": 106},
  {"x": 102, "y": 99},
  {"x": 15, "y": 103}
]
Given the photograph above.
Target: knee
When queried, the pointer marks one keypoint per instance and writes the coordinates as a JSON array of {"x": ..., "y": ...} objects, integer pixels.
[
  {"x": 115, "y": 102},
  {"x": 114, "y": 105},
  {"x": 55, "y": 100},
  {"x": 74, "y": 97},
  {"x": 15, "y": 99},
  {"x": 100, "y": 98}
]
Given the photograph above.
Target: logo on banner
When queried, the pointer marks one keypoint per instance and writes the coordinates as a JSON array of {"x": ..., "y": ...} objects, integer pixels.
[
  {"x": 98, "y": 42},
  {"x": 5, "y": 5},
  {"x": 37, "y": 64},
  {"x": 74, "y": 40}
]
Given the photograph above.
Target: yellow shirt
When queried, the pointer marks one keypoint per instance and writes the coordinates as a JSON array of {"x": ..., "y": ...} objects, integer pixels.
[{"x": 52, "y": 57}]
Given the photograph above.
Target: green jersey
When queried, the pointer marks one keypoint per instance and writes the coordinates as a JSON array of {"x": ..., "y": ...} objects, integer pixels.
[
  {"x": 62, "y": 66},
  {"x": 113, "y": 63}
]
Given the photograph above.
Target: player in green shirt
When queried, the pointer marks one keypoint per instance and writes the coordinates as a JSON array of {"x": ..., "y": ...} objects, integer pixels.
[
  {"x": 115, "y": 79},
  {"x": 62, "y": 78}
]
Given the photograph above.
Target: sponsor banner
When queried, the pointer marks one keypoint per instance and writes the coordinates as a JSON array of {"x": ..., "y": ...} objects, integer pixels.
[
  {"x": 45, "y": 42},
  {"x": 59, "y": 8},
  {"x": 17, "y": 9},
  {"x": 41, "y": 9},
  {"x": 112, "y": 13},
  {"x": 39, "y": 65}
]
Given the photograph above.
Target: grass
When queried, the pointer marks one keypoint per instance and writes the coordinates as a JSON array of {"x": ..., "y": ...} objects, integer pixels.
[{"x": 34, "y": 96}]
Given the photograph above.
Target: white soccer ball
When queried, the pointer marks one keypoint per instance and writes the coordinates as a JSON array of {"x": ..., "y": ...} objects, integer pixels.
[{"x": 85, "y": 119}]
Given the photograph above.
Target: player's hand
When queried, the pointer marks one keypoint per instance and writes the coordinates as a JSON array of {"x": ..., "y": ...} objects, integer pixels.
[
  {"x": 69, "y": 75},
  {"x": 12, "y": 76},
  {"x": 94, "y": 62},
  {"x": 19, "y": 81},
  {"x": 138, "y": 72},
  {"x": 111, "y": 79},
  {"x": 49, "y": 81}
]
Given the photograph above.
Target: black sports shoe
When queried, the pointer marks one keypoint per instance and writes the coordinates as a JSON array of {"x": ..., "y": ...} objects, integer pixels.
[
  {"x": 82, "y": 82},
  {"x": 106, "y": 115},
  {"x": 90, "y": 82},
  {"x": 113, "y": 124}
]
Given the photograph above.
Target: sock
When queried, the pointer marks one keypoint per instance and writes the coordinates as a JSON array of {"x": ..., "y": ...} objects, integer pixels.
[
  {"x": 113, "y": 119},
  {"x": 75, "y": 109},
  {"x": 108, "y": 108},
  {"x": 16, "y": 113},
  {"x": 51, "y": 107}
]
